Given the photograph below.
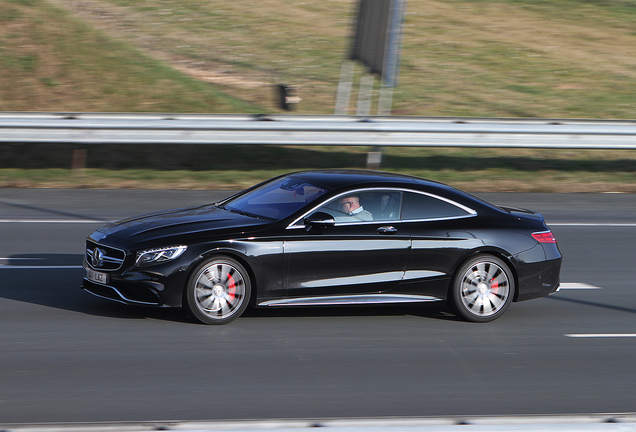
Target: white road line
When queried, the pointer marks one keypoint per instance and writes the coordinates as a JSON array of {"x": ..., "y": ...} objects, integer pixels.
[
  {"x": 563, "y": 286},
  {"x": 577, "y": 286},
  {"x": 23, "y": 259},
  {"x": 14, "y": 267},
  {"x": 24, "y": 267},
  {"x": 601, "y": 335},
  {"x": 52, "y": 221}
]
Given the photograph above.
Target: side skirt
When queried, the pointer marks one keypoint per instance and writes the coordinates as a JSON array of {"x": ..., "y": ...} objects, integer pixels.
[{"x": 363, "y": 299}]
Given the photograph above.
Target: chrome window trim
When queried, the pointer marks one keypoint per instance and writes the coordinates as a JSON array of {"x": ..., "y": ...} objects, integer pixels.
[
  {"x": 468, "y": 210},
  {"x": 438, "y": 219}
]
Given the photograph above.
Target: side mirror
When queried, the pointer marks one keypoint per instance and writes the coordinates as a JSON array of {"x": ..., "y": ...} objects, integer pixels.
[{"x": 319, "y": 220}]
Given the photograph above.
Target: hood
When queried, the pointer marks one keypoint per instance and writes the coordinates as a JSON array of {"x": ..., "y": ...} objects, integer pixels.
[{"x": 195, "y": 222}]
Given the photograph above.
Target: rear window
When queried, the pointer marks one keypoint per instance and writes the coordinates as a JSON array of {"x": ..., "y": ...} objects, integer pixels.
[{"x": 419, "y": 206}]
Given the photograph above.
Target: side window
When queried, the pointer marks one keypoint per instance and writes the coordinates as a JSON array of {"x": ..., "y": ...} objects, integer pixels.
[
  {"x": 364, "y": 206},
  {"x": 418, "y": 206},
  {"x": 384, "y": 205}
]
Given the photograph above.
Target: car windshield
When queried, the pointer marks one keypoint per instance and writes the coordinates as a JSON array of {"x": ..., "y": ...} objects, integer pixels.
[{"x": 276, "y": 199}]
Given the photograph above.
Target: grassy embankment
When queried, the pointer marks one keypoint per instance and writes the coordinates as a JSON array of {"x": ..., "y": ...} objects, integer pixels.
[{"x": 507, "y": 58}]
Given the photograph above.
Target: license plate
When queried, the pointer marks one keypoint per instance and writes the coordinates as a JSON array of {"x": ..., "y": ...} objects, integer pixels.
[{"x": 95, "y": 276}]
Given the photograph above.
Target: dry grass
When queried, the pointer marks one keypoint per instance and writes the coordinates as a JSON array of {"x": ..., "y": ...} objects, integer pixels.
[
  {"x": 550, "y": 182},
  {"x": 468, "y": 58},
  {"x": 482, "y": 58},
  {"x": 495, "y": 58},
  {"x": 50, "y": 61}
]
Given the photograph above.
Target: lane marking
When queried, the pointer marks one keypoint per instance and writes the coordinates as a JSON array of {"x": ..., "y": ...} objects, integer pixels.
[
  {"x": 562, "y": 286},
  {"x": 52, "y": 221},
  {"x": 23, "y": 259},
  {"x": 578, "y": 286},
  {"x": 601, "y": 335},
  {"x": 23, "y": 267},
  {"x": 14, "y": 267}
]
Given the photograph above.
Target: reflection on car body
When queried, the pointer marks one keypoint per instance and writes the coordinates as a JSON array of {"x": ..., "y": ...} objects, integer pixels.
[{"x": 290, "y": 241}]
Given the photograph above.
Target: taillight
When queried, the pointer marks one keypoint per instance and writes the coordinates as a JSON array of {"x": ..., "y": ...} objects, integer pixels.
[{"x": 544, "y": 237}]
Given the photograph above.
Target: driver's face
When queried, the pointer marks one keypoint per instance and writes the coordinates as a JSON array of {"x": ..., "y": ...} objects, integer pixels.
[{"x": 349, "y": 203}]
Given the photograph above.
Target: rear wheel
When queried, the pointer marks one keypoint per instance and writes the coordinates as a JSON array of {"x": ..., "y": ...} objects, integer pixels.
[
  {"x": 218, "y": 291},
  {"x": 482, "y": 289}
]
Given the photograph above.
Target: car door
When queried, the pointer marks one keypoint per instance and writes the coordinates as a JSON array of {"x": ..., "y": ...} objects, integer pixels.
[
  {"x": 440, "y": 236},
  {"x": 348, "y": 256}
]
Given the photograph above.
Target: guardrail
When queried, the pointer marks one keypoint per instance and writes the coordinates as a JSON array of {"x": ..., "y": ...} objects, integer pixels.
[
  {"x": 88, "y": 129},
  {"x": 555, "y": 423}
]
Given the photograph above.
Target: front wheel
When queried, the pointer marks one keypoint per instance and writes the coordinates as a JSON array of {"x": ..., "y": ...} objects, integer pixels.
[
  {"x": 482, "y": 289},
  {"x": 218, "y": 291}
]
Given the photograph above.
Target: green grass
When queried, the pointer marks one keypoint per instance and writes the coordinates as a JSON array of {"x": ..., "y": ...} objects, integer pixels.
[
  {"x": 51, "y": 61},
  {"x": 236, "y": 167}
]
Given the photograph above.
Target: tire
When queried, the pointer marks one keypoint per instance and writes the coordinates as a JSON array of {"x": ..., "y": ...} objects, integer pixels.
[
  {"x": 482, "y": 289},
  {"x": 218, "y": 291}
]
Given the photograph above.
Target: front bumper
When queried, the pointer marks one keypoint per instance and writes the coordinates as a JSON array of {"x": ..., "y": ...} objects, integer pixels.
[
  {"x": 159, "y": 286},
  {"x": 131, "y": 295}
]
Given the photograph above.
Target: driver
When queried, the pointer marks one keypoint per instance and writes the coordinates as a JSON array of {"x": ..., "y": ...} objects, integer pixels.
[{"x": 351, "y": 207}]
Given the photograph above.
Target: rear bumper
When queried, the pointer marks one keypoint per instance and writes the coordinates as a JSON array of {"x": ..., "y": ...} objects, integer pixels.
[{"x": 539, "y": 279}]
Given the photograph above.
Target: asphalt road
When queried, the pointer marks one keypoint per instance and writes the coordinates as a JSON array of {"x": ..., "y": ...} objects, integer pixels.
[{"x": 66, "y": 356}]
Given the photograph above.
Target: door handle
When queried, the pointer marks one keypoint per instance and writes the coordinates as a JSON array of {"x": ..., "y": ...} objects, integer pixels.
[{"x": 387, "y": 230}]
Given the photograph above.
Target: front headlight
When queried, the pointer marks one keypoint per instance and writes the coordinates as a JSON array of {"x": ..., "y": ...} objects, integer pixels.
[{"x": 154, "y": 256}]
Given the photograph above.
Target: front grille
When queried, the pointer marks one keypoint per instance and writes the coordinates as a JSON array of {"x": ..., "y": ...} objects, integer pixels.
[{"x": 102, "y": 257}]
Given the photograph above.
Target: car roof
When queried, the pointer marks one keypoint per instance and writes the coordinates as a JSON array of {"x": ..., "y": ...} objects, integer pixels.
[{"x": 338, "y": 178}]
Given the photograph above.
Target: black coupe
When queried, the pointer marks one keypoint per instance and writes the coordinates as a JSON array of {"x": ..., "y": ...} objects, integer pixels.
[{"x": 333, "y": 237}]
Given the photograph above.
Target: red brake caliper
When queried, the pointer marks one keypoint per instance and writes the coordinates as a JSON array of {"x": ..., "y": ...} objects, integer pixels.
[
  {"x": 231, "y": 288},
  {"x": 494, "y": 286}
]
